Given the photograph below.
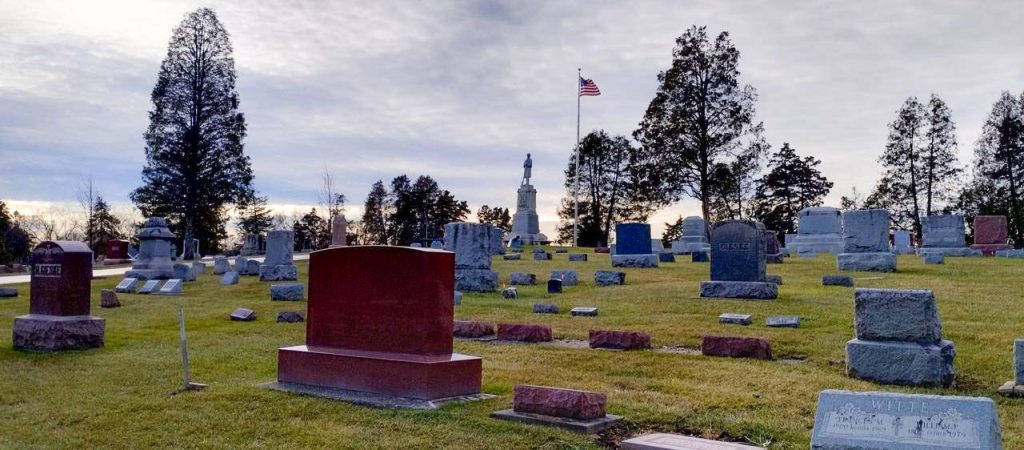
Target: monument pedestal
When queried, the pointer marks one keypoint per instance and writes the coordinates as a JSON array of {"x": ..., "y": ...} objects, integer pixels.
[
  {"x": 525, "y": 222},
  {"x": 41, "y": 332},
  {"x": 810, "y": 245},
  {"x": 424, "y": 377},
  {"x": 683, "y": 247},
  {"x": 902, "y": 363},
  {"x": 282, "y": 272},
  {"x": 949, "y": 251},
  {"x": 476, "y": 280},
  {"x": 866, "y": 262},
  {"x": 641, "y": 261},
  {"x": 752, "y": 290}
]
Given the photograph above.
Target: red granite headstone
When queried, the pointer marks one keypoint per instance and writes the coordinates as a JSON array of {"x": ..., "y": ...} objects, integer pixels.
[
  {"x": 990, "y": 234},
  {"x": 58, "y": 316},
  {"x": 380, "y": 320},
  {"x": 116, "y": 251}
]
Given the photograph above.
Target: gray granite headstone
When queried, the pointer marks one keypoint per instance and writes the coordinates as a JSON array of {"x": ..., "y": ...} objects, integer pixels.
[
  {"x": 198, "y": 268},
  {"x": 866, "y": 242},
  {"x": 577, "y": 257},
  {"x": 522, "y": 278},
  {"x": 252, "y": 268},
  {"x": 943, "y": 231},
  {"x": 150, "y": 287},
  {"x": 554, "y": 286},
  {"x": 783, "y": 322},
  {"x": 693, "y": 237},
  {"x": 737, "y": 251},
  {"x": 901, "y": 242},
  {"x": 126, "y": 286},
  {"x": 278, "y": 265},
  {"x": 229, "y": 278},
  {"x": 221, "y": 265},
  {"x": 153, "y": 262},
  {"x": 568, "y": 277},
  {"x": 241, "y": 263},
  {"x": 290, "y": 316},
  {"x": 893, "y": 421},
  {"x": 471, "y": 243},
  {"x": 287, "y": 292},
  {"x": 609, "y": 278},
  {"x": 183, "y": 272},
  {"x": 819, "y": 230}
]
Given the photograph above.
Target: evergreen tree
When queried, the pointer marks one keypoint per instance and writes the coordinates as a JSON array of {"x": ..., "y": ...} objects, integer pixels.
[
  {"x": 791, "y": 184},
  {"x": 673, "y": 231},
  {"x": 374, "y": 223},
  {"x": 254, "y": 217},
  {"x": 104, "y": 226},
  {"x": 609, "y": 193},
  {"x": 939, "y": 159},
  {"x": 497, "y": 216},
  {"x": 999, "y": 164},
  {"x": 195, "y": 164},
  {"x": 700, "y": 118},
  {"x": 311, "y": 231},
  {"x": 420, "y": 210},
  {"x": 15, "y": 242}
]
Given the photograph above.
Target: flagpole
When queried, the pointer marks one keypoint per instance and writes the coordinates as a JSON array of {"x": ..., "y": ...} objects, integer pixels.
[{"x": 576, "y": 183}]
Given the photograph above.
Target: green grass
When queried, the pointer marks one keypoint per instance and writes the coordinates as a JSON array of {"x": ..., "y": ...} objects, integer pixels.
[{"x": 123, "y": 395}]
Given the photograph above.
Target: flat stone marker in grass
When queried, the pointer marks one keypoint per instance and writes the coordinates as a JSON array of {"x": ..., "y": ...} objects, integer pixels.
[
  {"x": 568, "y": 277},
  {"x": 243, "y": 315},
  {"x": 229, "y": 278},
  {"x": 473, "y": 330},
  {"x": 541, "y": 255},
  {"x": 542, "y": 308},
  {"x": 510, "y": 293},
  {"x": 561, "y": 251},
  {"x": 609, "y": 278},
  {"x": 287, "y": 292},
  {"x": 554, "y": 286},
  {"x": 108, "y": 299},
  {"x": 521, "y": 332},
  {"x": 892, "y": 421},
  {"x": 578, "y": 257},
  {"x": 619, "y": 340},
  {"x": 899, "y": 339},
  {"x": 934, "y": 258},
  {"x": 738, "y": 262},
  {"x": 1015, "y": 387},
  {"x": 579, "y": 411},
  {"x": 783, "y": 322},
  {"x": 837, "y": 280},
  {"x": 150, "y": 287},
  {"x": 6, "y": 292},
  {"x": 737, "y": 319},
  {"x": 127, "y": 286},
  {"x": 736, "y": 347},
  {"x": 171, "y": 287},
  {"x": 602, "y": 250},
  {"x": 666, "y": 441},
  {"x": 512, "y": 256},
  {"x": 290, "y": 317},
  {"x": 586, "y": 311},
  {"x": 522, "y": 279}
]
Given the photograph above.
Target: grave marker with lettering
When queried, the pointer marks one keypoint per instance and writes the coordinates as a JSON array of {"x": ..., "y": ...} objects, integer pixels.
[
  {"x": 633, "y": 246},
  {"x": 738, "y": 262}
]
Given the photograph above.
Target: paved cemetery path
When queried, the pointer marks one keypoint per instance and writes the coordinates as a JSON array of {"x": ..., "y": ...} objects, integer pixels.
[{"x": 114, "y": 271}]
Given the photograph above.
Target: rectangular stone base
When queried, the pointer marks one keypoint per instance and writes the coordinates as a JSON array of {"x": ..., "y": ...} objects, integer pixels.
[
  {"x": 902, "y": 363},
  {"x": 395, "y": 374},
  {"x": 685, "y": 248},
  {"x": 866, "y": 262},
  {"x": 282, "y": 272},
  {"x": 641, "y": 261},
  {"x": 950, "y": 251},
  {"x": 476, "y": 280},
  {"x": 370, "y": 399},
  {"x": 990, "y": 249},
  {"x": 40, "y": 332},
  {"x": 580, "y": 426},
  {"x": 752, "y": 290}
]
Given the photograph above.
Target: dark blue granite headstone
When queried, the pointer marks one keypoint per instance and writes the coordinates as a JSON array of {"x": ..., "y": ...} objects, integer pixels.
[
  {"x": 633, "y": 239},
  {"x": 738, "y": 251}
]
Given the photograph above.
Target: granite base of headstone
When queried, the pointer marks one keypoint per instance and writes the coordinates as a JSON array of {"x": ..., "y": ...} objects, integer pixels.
[
  {"x": 289, "y": 292},
  {"x": 747, "y": 290},
  {"x": 290, "y": 317},
  {"x": 127, "y": 286},
  {"x": 150, "y": 287},
  {"x": 579, "y": 411},
  {"x": 243, "y": 315},
  {"x": 899, "y": 339},
  {"x": 667, "y": 441},
  {"x": 783, "y": 322},
  {"x": 6, "y": 292},
  {"x": 545, "y": 308},
  {"x": 108, "y": 299},
  {"x": 894, "y": 421},
  {"x": 866, "y": 262},
  {"x": 934, "y": 258},
  {"x": 280, "y": 272},
  {"x": 578, "y": 257},
  {"x": 567, "y": 277},
  {"x": 609, "y": 278},
  {"x": 476, "y": 280},
  {"x": 153, "y": 262},
  {"x": 1015, "y": 387},
  {"x": 584, "y": 311},
  {"x": 522, "y": 279},
  {"x": 229, "y": 278},
  {"x": 837, "y": 280},
  {"x": 635, "y": 261},
  {"x": 735, "y": 319},
  {"x": 1015, "y": 253},
  {"x": 955, "y": 252},
  {"x": 171, "y": 287}
]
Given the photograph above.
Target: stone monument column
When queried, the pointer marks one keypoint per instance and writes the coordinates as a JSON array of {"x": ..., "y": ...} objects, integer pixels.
[
  {"x": 155, "y": 248},
  {"x": 525, "y": 222}
]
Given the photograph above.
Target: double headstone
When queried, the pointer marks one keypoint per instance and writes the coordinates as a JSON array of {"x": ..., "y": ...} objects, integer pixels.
[
  {"x": 990, "y": 234},
  {"x": 633, "y": 246},
  {"x": 944, "y": 234},
  {"x": 471, "y": 243},
  {"x": 738, "y": 262},
  {"x": 155, "y": 249},
  {"x": 367, "y": 333},
  {"x": 58, "y": 317},
  {"x": 694, "y": 237},
  {"x": 818, "y": 231},
  {"x": 899, "y": 339},
  {"x": 866, "y": 242},
  {"x": 278, "y": 265}
]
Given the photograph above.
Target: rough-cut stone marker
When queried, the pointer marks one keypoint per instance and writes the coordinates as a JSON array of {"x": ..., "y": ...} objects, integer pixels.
[
  {"x": 542, "y": 308},
  {"x": 108, "y": 299},
  {"x": 558, "y": 402},
  {"x": 229, "y": 278},
  {"x": 126, "y": 286},
  {"x": 577, "y": 257},
  {"x": 541, "y": 256},
  {"x": 471, "y": 329},
  {"x": 221, "y": 265},
  {"x": 736, "y": 347},
  {"x": 458, "y": 298},
  {"x": 171, "y": 287},
  {"x": 510, "y": 293},
  {"x": 278, "y": 264},
  {"x": 609, "y": 278},
  {"x": 554, "y": 286},
  {"x": 587, "y": 311},
  {"x": 472, "y": 244},
  {"x": 150, "y": 287},
  {"x": 243, "y": 315},
  {"x": 252, "y": 268},
  {"x": 287, "y": 291},
  {"x": 777, "y": 279},
  {"x": 290, "y": 317},
  {"x": 183, "y": 272},
  {"x": 666, "y": 257},
  {"x": 512, "y": 256},
  {"x": 8, "y": 292},
  {"x": 741, "y": 290},
  {"x": 738, "y": 319},
  {"x": 568, "y": 277},
  {"x": 837, "y": 280},
  {"x": 934, "y": 258},
  {"x": 666, "y": 441},
  {"x": 521, "y": 332},
  {"x": 783, "y": 322},
  {"x": 891, "y": 421},
  {"x": 700, "y": 256},
  {"x": 896, "y": 315},
  {"x": 522, "y": 279},
  {"x": 620, "y": 340}
]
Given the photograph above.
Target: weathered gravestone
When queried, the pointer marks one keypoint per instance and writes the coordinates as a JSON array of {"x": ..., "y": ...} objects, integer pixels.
[
  {"x": 783, "y": 322},
  {"x": 738, "y": 262},
  {"x": 619, "y": 340},
  {"x": 694, "y": 237},
  {"x": 773, "y": 251},
  {"x": 567, "y": 277},
  {"x": 667, "y": 257},
  {"x": 126, "y": 286},
  {"x": 278, "y": 264},
  {"x": 510, "y": 293},
  {"x": 866, "y": 242},
  {"x": 150, "y": 287},
  {"x": 609, "y": 278},
  {"x": 252, "y": 268},
  {"x": 586, "y": 311},
  {"x": 545, "y": 308},
  {"x": 497, "y": 241},
  {"x": 372, "y": 340},
  {"x": 241, "y": 263},
  {"x": 512, "y": 257},
  {"x": 847, "y": 420},
  {"x": 990, "y": 234},
  {"x": 734, "y": 318},
  {"x": 944, "y": 234},
  {"x": 339, "y": 231},
  {"x": 221, "y": 265},
  {"x": 183, "y": 272},
  {"x": 633, "y": 246},
  {"x": 818, "y": 231},
  {"x": 934, "y": 258},
  {"x": 108, "y": 299},
  {"x": 58, "y": 317},
  {"x": 154, "y": 259},
  {"x": 471, "y": 243},
  {"x": 287, "y": 292},
  {"x": 902, "y": 243},
  {"x": 579, "y": 411},
  {"x": 243, "y": 315},
  {"x": 290, "y": 317},
  {"x": 1015, "y": 387},
  {"x": 115, "y": 252},
  {"x": 899, "y": 339},
  {"x": 198, "y": 268},
  {"x": 229, "y": 279},
  {"x": 578, "y": 257},
  {"x": 522, "y": 279}
]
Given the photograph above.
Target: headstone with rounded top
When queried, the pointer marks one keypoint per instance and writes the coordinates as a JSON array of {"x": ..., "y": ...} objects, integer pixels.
[
  {"x": 155, "y": 250},
  {"x": 221, "y": 265},
  {"x": 738, "y": 262},
  {"x": 866, "y": 242},
  {"x": 59, "y": 317},
  {"x": 278, "y": 264}
]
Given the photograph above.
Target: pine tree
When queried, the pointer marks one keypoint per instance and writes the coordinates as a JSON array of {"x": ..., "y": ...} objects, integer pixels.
[
  {"x": 497, "y": 216},
  {"x": 104, "y": 226},
  {"x": 791, "y": 184},
  {"x": 939, "y": 158},
  {"x": 673, "y": 231},
  {"x": 195, "y": 164},
  {"x": 374, "y": 223},
  {"x": 254, "y": 218},
  {"x": 420, "y": 210},
  {"x": 999, "y": 164}
]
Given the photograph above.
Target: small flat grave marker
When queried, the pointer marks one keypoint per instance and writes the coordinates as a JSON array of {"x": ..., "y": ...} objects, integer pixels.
[
  {"x": 733, "y": 318},
  {"x": 586, "y": 311},
  {"x": 542, "y": 308},
  {"x": 290, "y": 316},
  {"x": 171, "y": 287},
  {"x": 783, "y": 322},
  {"x": 150, "y": 287},
  {"x": 8, "y": 292},
  {"x": 666, "y": 441},
  {"x": 126, "y": 286},
  {"x": 243, "y": 315}
]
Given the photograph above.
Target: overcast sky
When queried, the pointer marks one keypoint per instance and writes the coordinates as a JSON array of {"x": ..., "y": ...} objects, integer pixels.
[{"x": 463, "y": 90}]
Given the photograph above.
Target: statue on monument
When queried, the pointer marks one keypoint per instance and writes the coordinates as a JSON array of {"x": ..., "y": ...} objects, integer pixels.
[{"x": 527, "y": 169}]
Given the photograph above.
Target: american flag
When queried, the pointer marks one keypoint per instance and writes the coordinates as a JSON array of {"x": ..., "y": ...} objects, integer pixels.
[{"x": 588, "y": 87}]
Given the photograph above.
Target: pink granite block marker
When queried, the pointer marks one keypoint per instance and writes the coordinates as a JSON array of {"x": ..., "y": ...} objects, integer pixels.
[
  {"x": 580, "y": 411},
  {"x": 736, "y": 347},
  {"x": 521, "y": 332},
  {"x": 473, "y": 330},
  {"x": 620, "y": 340}
]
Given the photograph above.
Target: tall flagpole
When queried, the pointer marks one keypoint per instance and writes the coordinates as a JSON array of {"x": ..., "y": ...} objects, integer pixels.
[{"x": 576, "y": 183}]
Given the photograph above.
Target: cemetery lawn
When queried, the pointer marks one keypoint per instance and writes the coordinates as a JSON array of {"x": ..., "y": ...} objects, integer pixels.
[{"x": 125, "y": 394}]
